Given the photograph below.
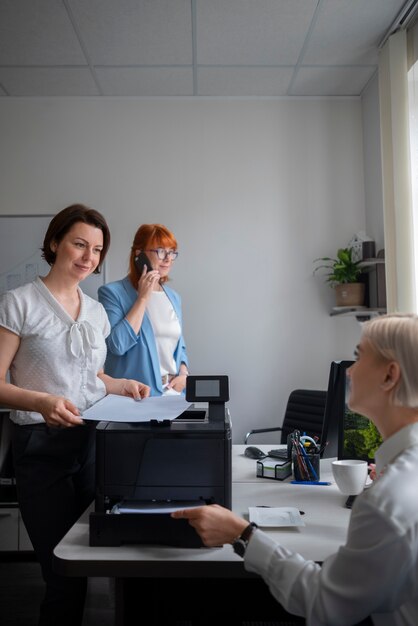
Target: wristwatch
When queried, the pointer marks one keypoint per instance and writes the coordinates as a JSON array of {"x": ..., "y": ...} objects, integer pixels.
[{"x": 240, "y": 543}]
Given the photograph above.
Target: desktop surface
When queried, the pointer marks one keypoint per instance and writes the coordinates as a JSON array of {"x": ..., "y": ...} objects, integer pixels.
[
  {"x": 150, "y": 571},
  {"x": 325, "y": 516}
]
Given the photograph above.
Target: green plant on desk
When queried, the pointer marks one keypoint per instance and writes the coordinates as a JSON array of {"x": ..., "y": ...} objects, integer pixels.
[{"x": 362, "y": 443}]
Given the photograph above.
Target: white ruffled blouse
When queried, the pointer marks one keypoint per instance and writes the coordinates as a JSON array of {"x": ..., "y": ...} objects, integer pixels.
[{"x": 56, "y": 355}]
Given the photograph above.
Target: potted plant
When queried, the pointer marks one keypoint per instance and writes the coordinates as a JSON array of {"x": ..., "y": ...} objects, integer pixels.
[{"x": 343, "y": 275}]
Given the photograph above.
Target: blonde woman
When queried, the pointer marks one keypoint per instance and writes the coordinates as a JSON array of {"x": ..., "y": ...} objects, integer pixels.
[{"x": 375, "y": 572}]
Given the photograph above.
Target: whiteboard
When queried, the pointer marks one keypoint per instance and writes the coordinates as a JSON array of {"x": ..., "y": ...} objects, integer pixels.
[{"x": 21, "y": 239}]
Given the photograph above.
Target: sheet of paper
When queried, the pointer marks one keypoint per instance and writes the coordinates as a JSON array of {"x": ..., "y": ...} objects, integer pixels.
[
  {"x": 275, "y": 516},
  {"x": 114, "y": 408},
  {"x": 154, "y": 507}
]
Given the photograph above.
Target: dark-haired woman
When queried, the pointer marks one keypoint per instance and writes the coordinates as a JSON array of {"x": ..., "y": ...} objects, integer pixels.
[
  {"x": 52, "y": 340},
  {"x": 146, "y": 340}
]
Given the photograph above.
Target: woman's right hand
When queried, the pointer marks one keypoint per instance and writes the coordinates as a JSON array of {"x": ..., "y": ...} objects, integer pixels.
[
  {"x": 144, "y": 288},
  {"x": 147, "y": 282},
  {"x": 215, "y": 524},
  {"x": 59, "y": 412}
]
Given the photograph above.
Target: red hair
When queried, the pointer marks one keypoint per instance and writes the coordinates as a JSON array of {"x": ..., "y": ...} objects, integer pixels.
[{"x": 150, "y": 236}]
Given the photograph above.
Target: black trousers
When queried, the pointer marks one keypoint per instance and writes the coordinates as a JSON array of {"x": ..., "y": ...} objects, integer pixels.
[{"x": 55, "y": 483}]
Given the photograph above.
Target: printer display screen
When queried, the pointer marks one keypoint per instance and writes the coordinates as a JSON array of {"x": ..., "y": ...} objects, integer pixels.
[{"x": 208, "y": 388}]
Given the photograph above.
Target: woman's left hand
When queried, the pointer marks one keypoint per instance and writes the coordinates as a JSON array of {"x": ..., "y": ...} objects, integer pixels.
[
  {"x": 178, "y": 383},
  {"x": 124, "y": 386},
  {"x": 372, "y": 471},
  {"x": 134, "y": 389}
]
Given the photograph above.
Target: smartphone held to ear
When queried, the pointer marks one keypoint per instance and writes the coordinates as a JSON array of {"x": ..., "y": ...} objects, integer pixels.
[{"x": 142, "y": 261}]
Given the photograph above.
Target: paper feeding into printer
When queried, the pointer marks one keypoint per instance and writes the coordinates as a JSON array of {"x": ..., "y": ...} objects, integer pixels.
[
  {"x": 143, "y": 508},
  {"x": 114, "y": 408}
]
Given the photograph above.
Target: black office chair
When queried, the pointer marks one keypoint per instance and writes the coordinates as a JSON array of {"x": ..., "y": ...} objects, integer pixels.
[{"x": 304, "y": 411}]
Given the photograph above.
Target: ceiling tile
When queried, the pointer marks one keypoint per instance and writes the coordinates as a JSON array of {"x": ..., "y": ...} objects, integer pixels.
[
  {"x": 336, "y": 81},
  {"x": 347, "y": 32},
  {"x": 48, "y": 81},
  {"x": 245, "y": 32},
  {"x": 37, "y": 33},
  {"x": 135, "y": 32},
  {"x": 243, "y": 81},
  {"x": 147, "y": 81},
  {"x": 148, "y": 47}
]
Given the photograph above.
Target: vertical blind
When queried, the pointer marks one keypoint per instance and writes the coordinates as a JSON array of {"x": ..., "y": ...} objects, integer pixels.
[
  {"x": 412, "y": 59},
  {"x": 396, "y": 174}
]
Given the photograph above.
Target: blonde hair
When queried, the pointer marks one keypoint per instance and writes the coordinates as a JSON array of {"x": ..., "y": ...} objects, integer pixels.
[{"x": 395, "y": 338}]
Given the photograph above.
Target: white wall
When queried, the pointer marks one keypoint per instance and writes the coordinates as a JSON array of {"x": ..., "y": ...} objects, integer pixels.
[
  {"x": 373, "y": 163},
  {"x": 254, "y": 190}
]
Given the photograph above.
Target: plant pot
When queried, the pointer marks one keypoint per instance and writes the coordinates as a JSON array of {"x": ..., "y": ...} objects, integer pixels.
[{"x": 349, "y": 294}]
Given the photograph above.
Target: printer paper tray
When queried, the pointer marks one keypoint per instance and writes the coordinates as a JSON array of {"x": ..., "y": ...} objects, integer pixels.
[{"x": 141, "y": 528}]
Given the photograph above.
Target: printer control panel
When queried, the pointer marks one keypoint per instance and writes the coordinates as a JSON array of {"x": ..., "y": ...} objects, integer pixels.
[{"x": 207, "y": 389}]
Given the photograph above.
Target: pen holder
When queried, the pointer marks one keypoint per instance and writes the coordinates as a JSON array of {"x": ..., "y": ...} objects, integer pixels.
[{"x": 305, "y": 465}]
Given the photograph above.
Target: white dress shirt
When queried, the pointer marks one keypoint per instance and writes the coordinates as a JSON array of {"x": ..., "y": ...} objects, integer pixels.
[
  {"x": 57, "y": 354},
  {"x": 376, "y": 572},
  {"x": 167, "y": 330}
]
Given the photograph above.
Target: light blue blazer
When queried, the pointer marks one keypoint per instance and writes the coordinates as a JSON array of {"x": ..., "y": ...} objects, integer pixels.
[{"x": 130, "y": 355}]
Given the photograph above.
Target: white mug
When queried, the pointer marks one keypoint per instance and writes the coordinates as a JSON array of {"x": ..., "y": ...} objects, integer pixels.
[{"x": 350, "y": 476}]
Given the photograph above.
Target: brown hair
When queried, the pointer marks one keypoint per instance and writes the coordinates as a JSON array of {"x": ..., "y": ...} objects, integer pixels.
[
  {"x": 146, "y": 237},
  {"x": 63, "y": 221}
]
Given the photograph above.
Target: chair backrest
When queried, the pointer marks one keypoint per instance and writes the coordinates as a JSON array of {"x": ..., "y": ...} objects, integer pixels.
[{"x": 305, "y": 412}]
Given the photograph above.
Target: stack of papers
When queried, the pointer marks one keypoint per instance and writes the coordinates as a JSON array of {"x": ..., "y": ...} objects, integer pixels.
[
  {"x": 154, "y": 507},
  {"x": 271, "y": 517}
]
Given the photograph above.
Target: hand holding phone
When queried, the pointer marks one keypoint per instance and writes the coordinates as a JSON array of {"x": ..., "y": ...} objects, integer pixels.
[
  {"x": 148, "y": 278},
  {"x": 142, "y": 261}
]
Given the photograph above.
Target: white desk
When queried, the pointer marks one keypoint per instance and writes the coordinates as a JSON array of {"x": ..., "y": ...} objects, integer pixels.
[{"x": 325, "y": 517}]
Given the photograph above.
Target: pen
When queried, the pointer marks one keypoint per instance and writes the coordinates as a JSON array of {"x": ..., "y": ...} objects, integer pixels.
[
  {"x": 309, "y": 482},
  {"x": 267, "y": 506},
  {"x": 322, "y": 448}
]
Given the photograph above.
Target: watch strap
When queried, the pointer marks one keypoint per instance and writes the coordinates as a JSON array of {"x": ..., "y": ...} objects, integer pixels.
[
  {"x": 248, "y": 531},
  {"x": 241, "y": 542}
]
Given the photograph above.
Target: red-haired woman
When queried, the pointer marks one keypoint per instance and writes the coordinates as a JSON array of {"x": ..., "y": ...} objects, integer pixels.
[{"x": 145, "y": 316}]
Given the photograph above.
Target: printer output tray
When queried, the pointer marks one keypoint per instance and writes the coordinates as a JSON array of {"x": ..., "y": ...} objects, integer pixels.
[{"x": 107, "y": 529}]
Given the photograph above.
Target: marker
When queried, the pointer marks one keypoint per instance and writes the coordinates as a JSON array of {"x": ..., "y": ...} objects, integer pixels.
[
  {"x": 314, "y": 474},
  {"x": 309, "y": 482}
]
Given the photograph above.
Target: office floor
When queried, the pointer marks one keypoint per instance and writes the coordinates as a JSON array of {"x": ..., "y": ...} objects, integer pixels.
[
  {"x": 21, "y": 591},
  {"x": 22, "y": 588},
  {"x": 204, "y": 602}
]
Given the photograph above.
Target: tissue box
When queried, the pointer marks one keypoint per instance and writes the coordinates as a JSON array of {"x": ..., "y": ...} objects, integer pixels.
[
  {"x": 273, "y": 468},
  {"x": 361, "y": 250}
]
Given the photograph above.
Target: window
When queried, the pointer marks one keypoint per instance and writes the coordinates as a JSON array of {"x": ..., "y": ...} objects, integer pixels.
[{"x": 413, "y": 132}]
